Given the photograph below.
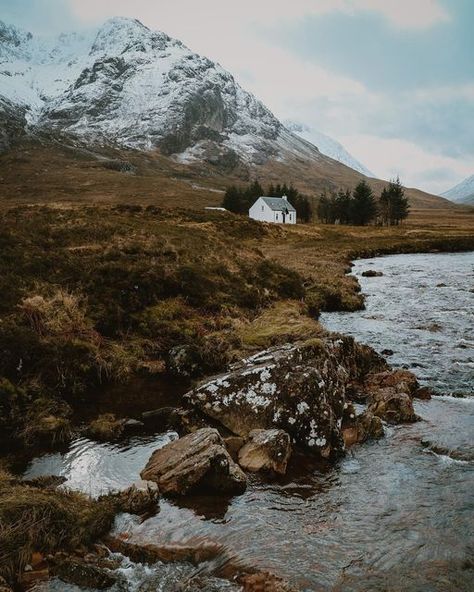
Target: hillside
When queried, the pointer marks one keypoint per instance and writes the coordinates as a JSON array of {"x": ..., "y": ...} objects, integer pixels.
[{"x": 34, "y": 172}]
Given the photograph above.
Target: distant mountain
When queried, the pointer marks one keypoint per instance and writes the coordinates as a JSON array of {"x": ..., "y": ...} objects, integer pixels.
[
  {"x": 124, "y": 92},
  {"x": 462, "y": 192},
  {"x": 328, "y": 146}
]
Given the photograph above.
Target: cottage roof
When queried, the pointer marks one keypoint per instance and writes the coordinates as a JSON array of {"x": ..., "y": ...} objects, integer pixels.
[{"x": 278, "y": 204}]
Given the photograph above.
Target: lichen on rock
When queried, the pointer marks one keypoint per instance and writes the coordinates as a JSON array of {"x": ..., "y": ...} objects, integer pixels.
[
  {"x": 267, "y": 451},
  {"x": 300, "y": 389}
]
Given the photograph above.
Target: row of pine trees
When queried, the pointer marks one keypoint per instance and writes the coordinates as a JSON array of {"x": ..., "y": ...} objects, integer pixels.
[
  {"x": 358, "y": 207},
  {"x": 240, "y": 199},
  {"x": 361, "y": 207}
]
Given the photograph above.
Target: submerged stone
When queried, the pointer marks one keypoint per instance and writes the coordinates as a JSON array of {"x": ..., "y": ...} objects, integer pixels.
[{"x": 84, "y": 575}]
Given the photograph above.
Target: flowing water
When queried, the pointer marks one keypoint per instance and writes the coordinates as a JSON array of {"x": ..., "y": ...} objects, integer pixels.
[{"x": 393, "y": 514}]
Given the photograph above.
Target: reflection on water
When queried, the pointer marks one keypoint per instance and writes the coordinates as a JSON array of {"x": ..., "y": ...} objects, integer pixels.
[
  {"x": 392, "y": 515},
  {"x": 98, "y": 468}
]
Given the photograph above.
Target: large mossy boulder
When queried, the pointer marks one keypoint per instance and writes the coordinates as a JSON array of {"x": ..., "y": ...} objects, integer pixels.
[
  {"x": 196, "y": 462},
  {"x": 299, "y": 388}
]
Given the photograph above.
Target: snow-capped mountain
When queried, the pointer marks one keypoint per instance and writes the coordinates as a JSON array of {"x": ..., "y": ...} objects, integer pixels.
[
  {"x": 462, "y": 192},
  {"x": 126, "y": 85},
  {"x": 328, "y": 146}
]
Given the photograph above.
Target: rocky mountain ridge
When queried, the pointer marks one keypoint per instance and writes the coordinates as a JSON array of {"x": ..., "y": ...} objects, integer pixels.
[{"x": 124, "y": 84}]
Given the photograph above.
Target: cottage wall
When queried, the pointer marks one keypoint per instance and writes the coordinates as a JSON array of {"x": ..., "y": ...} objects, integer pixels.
[
  {"x": 261, "y": 211},
  {"x": 264, "y": 213}
]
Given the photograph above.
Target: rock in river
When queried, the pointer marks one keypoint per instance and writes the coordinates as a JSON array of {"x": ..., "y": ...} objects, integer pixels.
[
  {"x": 267, "y": 451},
  {"x": 198, "y": 461},
  {"x": 391, "y": 394},
  {"x": 297, "y": 388}
]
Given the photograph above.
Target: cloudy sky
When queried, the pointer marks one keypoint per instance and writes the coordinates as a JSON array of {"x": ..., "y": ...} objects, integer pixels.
[{"x": 392, "y": 80}]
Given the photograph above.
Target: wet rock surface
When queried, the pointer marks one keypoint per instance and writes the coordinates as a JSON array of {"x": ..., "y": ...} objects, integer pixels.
[
  {"x": 390, "y": 395},
  {"x": 300, "y": 389},
  {"x": 403, "y": 381},
  {"x": 80, "y": 573},
  {"x": 140, "y": 499},
  {"x": 365, "y": 426},
  {"x": 392, "y": 406},
  {"x": 267, "y": 451},
  {"x": 198, "y": 461},
  {"x": 372, "y": 273},
  {"x": 198, "y": 552},
  {"x": 455, "y": 454},
  {"x": 106, "y": 427}
]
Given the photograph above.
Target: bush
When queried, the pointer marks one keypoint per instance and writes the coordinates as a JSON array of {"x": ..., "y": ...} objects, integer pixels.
[
  {"x": 13, "y": 402},
  {"x": 61, "y": 315},
  {"x": 47, "y": 423},
  {"x": 46, "y": 521}
]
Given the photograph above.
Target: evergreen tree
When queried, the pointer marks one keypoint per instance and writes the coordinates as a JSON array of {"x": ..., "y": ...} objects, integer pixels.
[
  {"x": 385, "y": 207},
  {"x": 399, "y": 202},
  {"x": 363, "y": 205},
  {"x": 232, "y": 199},
  {"x": 325, "y": 209},
  {"x": 343, "y": 206},
  {"x": 303, "y": 207},
  {"x": 393, "y": 205},
  {"x": 299, "y": 201}
]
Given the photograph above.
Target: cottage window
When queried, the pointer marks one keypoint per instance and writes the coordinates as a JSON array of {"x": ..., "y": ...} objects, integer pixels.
[
  {"x": 262, "y": 208},
  {"x": 276, "y": 216}
]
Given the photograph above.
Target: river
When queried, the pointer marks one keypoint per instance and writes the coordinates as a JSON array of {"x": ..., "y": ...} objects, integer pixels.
[{"x": 393, "y": 514}]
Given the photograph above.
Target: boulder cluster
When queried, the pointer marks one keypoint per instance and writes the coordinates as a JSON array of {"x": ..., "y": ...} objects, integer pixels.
[{"x": 294, "y": 396}]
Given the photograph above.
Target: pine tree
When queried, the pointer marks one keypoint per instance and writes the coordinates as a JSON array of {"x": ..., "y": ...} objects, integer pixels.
[
  {"x": 399, "y": 202},
  {"x": 393, "y": 204},
  {"x": 342, "y": 206},
  {"x": 363, "y": 205},
  {"x": 232, "y": 199},
  {"x": 302, "y": 206},
  {"x": 385, "y": 207},
  {"x": 299, "y": 201},
  {"x": 324, "y": 208}
]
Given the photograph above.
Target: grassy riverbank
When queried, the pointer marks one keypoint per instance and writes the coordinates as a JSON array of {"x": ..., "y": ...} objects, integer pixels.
[
  {"x": 93, "y": 294},
  {"x": 97, "y": 294}
]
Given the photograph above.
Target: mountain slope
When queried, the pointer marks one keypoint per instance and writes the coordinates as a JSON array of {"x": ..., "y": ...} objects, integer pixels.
[
  {"x": 328, "y": 146},
  {"x": 125, "y": 93},
  {"x": 463, "y": 192},
  {"x": 129, "y": 86}
]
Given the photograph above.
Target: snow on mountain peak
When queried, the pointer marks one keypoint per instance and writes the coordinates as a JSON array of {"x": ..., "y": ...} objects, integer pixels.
[
  {"x": 327, "y": 146},
  {"x": 120, "y": 34},
  {"x": 128, "y": 85},
  {"x": 463, "y": 192}
]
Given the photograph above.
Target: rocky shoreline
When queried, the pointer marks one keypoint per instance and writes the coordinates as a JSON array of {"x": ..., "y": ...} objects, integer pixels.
[{"x": 293, "y": 398}]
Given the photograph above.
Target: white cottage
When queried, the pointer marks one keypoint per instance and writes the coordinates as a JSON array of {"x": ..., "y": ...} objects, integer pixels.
[{"x": 273, "y": 209}]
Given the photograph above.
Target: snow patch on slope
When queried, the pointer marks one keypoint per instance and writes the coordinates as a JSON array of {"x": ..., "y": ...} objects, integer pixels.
[
  {"x": 328, "y": 146},
  {"x": 462, "y": 192}
]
